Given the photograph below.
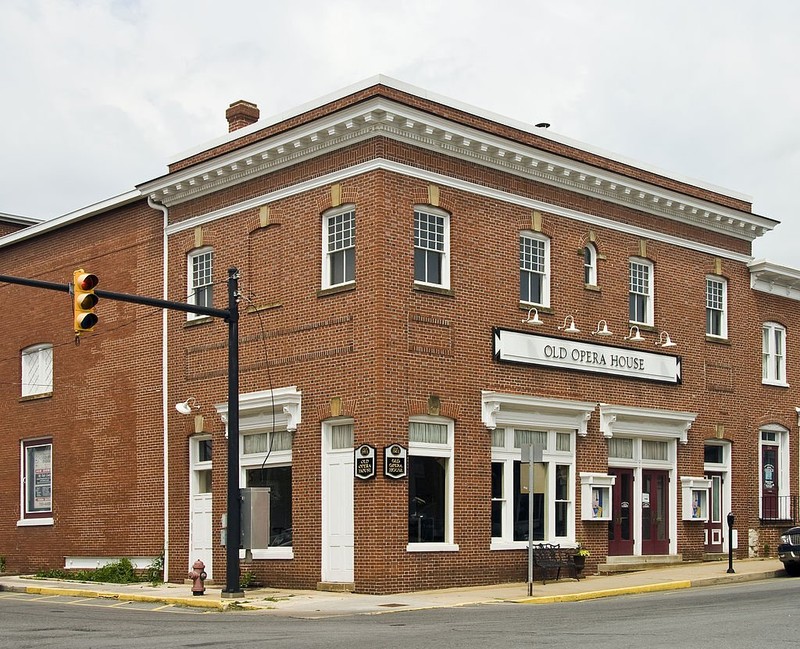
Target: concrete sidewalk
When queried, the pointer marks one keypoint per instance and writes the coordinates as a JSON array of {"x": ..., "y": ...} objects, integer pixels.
[{"x": 317, "y": 604}]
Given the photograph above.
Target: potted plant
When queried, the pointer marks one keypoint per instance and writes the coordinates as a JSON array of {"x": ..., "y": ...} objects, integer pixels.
[{"x": 579, "y": 558}]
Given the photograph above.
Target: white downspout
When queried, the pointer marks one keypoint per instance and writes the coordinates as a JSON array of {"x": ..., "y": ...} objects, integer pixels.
[{"x": 164, "y": 390}]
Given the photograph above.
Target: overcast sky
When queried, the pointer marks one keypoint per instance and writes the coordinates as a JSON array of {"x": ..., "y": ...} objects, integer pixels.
[{"x": 98, "y": 95}]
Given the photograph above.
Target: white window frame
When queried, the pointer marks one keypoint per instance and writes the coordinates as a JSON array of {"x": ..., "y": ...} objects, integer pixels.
[
  {"x": 420, "y": 449},
  {"x": 648, "y": 295},
  {"x": 37, "y": 370},
  {"x": 782, "y": 442},
  {"x": 191, "y": 287},
  {"x": 197, "y": 465},
  {"x": 442, "y": 248},
  {"x": 343, "y": 242},
  {"x": 590, "y": 264},
  {"x": 508, "y": 454},
  {"x": 28, "y": 482},
  {"x": 277, "y": 410},
  {"x": 717, "y": 303},
  {"x": 773, "y": 356},
  {"x": 543, "y": 272}
]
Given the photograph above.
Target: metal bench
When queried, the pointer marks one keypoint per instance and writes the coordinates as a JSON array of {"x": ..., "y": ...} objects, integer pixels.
[{"x": 551, "y": 558}]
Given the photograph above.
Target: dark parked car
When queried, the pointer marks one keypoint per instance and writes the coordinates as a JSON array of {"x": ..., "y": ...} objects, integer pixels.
[{"x": 789, "y": 551}]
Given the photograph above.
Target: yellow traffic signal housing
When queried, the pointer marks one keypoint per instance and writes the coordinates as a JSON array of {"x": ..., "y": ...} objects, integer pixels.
[{"x": 83, "y": 301}]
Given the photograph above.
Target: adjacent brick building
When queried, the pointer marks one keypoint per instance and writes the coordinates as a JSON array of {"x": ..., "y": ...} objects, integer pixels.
[{"x": 425, "y": 288}]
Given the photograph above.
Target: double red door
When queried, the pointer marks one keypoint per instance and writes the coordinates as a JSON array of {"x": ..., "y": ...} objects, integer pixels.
[{"x": 653, "y": 515}]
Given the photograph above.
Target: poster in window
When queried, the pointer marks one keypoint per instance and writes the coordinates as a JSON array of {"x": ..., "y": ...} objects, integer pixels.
[
  {"x": 598, "y": 502},
  {"x": 42, "y": 479}
]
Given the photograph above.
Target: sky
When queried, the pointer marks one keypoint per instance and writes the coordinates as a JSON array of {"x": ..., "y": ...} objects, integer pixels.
[{"x": 98, "y": 96}]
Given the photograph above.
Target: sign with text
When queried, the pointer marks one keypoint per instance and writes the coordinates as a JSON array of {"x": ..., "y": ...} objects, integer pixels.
[
  {"x": 395, "y": 459},
  {"x": 533, "y": 349},
  {"x": 365, "y": 467}
]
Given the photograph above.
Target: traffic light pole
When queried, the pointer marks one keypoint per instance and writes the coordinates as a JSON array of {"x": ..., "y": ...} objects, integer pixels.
[{"x": 231, "y": 316}]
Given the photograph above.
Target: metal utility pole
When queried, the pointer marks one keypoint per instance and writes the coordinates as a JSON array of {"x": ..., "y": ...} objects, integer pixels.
[{"x": 231, "y": 316}]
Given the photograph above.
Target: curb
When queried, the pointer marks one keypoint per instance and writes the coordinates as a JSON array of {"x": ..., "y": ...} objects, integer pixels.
[{"x": 127, "y": 597}]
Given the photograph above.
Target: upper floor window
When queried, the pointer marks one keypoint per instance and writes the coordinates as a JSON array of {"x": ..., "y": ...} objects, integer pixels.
[
  {"x": 640, "y": 296},
  {"x": 432, "y": 247},
  {"x": 716, "y": 307},
  {"x": 200, "y": 288},
  {"x": 37, "y": 482},
  {"x": 773, "y": 353},
  {"x": 590, "y": 265},
  {"x": 339, "y": 247},
  {"x": 534, "y": 269},
  {"x": 37, "y": 370}
]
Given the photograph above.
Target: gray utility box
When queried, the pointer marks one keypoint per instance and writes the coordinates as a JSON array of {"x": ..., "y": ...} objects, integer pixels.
[{"x": 255, "y": 518}]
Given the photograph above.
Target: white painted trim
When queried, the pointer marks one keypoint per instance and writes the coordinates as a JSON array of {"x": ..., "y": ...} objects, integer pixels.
[
  {"x": 555, "y": 414},
  {"x": 34, "y": 522},
  {"x": 458, "y": 105},
  {"x": 432, "y": 547},
  {"x": 645, "y": 422}
]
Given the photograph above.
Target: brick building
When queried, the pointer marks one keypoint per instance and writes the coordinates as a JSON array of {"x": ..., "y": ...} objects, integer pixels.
[{"x": 425, "y": 288}]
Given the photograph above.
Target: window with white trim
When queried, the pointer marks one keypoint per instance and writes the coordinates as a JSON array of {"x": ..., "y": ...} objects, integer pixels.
[
  {"x": 773, "y": 353},
  {"x": 590, "y": 265},
  {"x": 339, "y": 247},
  {"x": 430, "y": 483},
  {"x": 431, "y": 247},
  {"x": 640, "y": 295},
  {"x": 534, "y": 269},
  {"x": 200, "y": 287},
  {"x": 37, "y": 482},
  {"x": 553, "y": 492},
  {"x": 716, "y": 307},
  {"x": 266, "y": 459},
  {"x": 773, "y": 484},
  {"x": 37, "y": 370}
]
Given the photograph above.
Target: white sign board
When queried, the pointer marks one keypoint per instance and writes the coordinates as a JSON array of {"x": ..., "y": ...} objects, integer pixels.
[{"x": 533, "y": 349}]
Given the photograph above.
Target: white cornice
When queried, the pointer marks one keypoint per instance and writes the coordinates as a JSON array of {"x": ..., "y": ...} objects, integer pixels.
[
  {"x": 461, "y": 185},
  {"x": 775, "y": 279},
  {"x": 645, "y": 421},
  {"x": 18, "y": 220},
  {"x": 381, "y": 117}
]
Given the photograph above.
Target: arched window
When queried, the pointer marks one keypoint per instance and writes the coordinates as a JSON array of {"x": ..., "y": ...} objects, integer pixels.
[{"x": 590, "y": 265}]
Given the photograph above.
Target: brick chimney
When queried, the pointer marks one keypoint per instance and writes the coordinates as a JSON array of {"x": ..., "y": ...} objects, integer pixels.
[{"x": 240, "y": 114}]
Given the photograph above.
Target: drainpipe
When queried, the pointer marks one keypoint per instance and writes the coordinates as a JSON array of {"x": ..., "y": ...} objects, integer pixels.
[{"x": 164, "y": 390}]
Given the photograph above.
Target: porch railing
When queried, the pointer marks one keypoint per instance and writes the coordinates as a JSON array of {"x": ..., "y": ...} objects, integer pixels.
[{"x": 779, "y": 508}]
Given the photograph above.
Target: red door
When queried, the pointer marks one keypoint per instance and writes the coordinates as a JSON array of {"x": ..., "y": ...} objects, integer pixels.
[
  {"x": 620, "y": 527},
  {"x": 769, "y": 482},
  {"x": 713, "y": 529},
  {"x": 655, "y": 512}
]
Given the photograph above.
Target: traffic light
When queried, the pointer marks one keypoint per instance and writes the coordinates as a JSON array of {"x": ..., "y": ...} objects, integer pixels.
[{"x": 84, "y": 300}]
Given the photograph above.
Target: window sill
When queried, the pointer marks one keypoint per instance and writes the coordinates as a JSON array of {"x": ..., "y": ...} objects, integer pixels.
[
  {"x": 193, "y": 322},
  {"x": 264, "y": 307},
  {"x": 432, "y": 547},
  {"x": 334, "y": 290},
  {"x": 34, "y": 522},
  {"x": 436, "y": 290},
  {"x": 498, "y": 544},
  {"x": 642, "y": 326},
  {"x": 719, "y": 340},
  {"x": 776, "y": 384},
  {"x": 543, "y": 310},
  {"x": 271, "y": 553},
  {"x": 592, "y": 287},
  {"x": 36, "y": 397}
]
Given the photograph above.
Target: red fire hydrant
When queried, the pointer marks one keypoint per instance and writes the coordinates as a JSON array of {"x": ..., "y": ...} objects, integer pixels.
[{"x": 198, "y": 576}]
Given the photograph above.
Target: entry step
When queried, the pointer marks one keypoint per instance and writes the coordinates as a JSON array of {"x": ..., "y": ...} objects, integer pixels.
[
  {"x": 636, "y": 563},
  {"x": 336, "y": 586}
]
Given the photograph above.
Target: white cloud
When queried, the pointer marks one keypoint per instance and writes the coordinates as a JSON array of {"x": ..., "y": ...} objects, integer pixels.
[{"x": 99, "y": 94}]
